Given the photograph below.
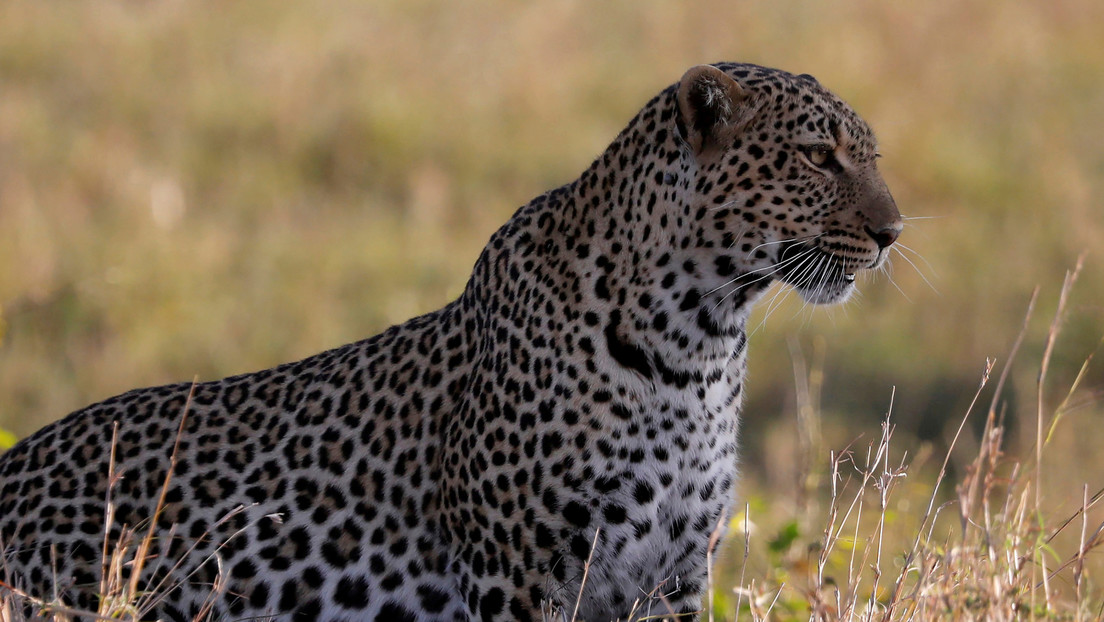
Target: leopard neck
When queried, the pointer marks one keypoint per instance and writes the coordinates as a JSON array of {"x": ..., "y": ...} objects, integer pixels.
[{"x": 611, "y": 252}]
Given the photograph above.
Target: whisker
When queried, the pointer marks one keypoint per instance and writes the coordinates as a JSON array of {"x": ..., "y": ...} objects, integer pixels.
[
  {"x": 723, "y": 205},
  {"x": 814, "y": 273},
  {"x": 780, "y": 295},
  {"x": 898, "y": 287},
  {"x": 774, "y": 306},
  {"x": 797, "y": 239},
  {"x": 886, "y": 269},
  {"x": 804, "y": 255},
  {"x": 780, "y": 291},
  {"x": 821, "y": 279},
  {"x": 918, "y": 271},
  {"x": 773, "y": 268},
  {"x": 919, "y": 256},
  {"x": 807, "y": 275},
  {"x": 743, "y": 232}
]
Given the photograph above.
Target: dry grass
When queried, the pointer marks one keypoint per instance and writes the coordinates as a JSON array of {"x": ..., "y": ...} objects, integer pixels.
[
  {"x": 986, "y": 546},
  {"x": 131, "y": 564},
  {"x": 193, "y": 188}
]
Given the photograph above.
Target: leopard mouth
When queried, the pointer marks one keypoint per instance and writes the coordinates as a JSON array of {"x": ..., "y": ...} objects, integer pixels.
[{"x": 818, "y": 275}]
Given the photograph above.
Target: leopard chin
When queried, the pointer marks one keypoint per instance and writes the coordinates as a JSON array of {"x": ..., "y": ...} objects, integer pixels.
[{"x": 828, "y": 291}]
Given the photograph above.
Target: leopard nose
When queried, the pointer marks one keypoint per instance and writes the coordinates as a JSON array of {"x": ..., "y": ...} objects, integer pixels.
[{"x": 886, "y": 235}]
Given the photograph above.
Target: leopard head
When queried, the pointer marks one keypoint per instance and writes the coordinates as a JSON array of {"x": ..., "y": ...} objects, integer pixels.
[{"x": 787, "y": 185}]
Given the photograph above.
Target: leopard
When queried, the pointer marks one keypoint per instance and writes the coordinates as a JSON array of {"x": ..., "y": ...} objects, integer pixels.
[{"x": 558, "y": 442}]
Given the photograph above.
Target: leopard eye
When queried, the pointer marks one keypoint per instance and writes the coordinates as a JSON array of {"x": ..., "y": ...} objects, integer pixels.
[{"x": 819, "y": 155}]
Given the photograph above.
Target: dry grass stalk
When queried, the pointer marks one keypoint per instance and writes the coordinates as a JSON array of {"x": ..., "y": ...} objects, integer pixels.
[
  {"x": 973, "y": 568},
  {"x": 586, "y": 572},
  {"x": 122, "y": 563}
]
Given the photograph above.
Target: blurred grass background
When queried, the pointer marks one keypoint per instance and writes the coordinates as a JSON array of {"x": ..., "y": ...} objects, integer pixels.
[{"x": 208, "y": 188}]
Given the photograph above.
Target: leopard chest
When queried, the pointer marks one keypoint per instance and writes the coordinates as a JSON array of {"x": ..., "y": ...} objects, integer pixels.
[{"x": 660, "y": 489}]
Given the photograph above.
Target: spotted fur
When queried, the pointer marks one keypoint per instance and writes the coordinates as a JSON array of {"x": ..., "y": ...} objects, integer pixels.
[{"x": 459, "y": 466}]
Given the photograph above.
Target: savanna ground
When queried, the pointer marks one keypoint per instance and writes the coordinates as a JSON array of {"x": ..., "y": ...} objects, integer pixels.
[{"x": 203, "y": 188}]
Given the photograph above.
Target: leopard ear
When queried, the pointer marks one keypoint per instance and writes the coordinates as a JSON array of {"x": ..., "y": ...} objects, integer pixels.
[{"x": 709, "y": 101}]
